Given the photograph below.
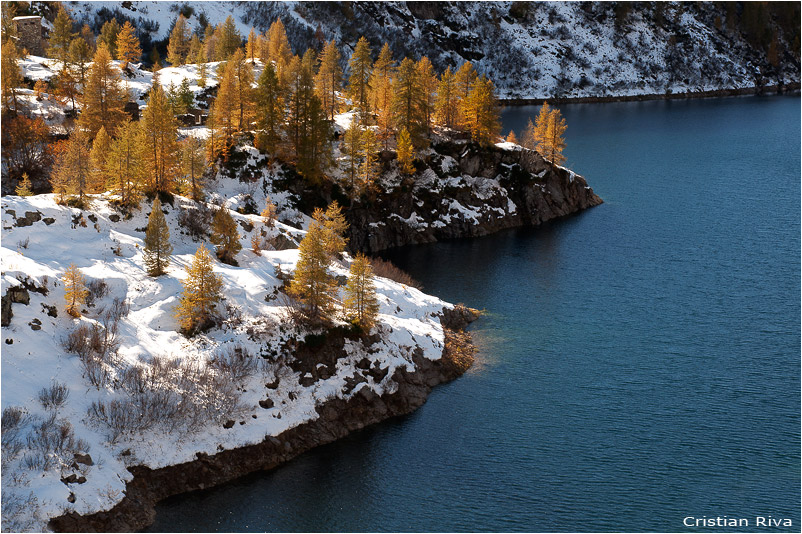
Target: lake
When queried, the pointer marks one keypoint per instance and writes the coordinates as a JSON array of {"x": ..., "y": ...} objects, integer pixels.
[{"x": 638, "y": 363}]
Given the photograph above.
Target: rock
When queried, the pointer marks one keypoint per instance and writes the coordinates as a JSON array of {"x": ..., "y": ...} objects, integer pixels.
[
  {"x": 49, "y": 220},
  {"x": 83, "y": 459},
  {"x": 228, "y": 424},
  {"x": 5, "y": 311},
  {"x": 114, "y": 217},
  {"x": 51, "y": 311},
  {"x": 282, "y": 242},
  {"x": 9, "y": 341},
  {"x": 246, "y": 225},
  {"x": 377, "y": 373},
  {"x": 307, "y": 380},
  {"x": 30, "y": 218},
  {"x": 81, "y": 479},
  {"x": 266, "y": 404},
  {"x": 273, "y": 384},
  {"x": 72, "y": 479},
  {"x": 92, "y": 217},
  {"x": 341, "y": 279},
  {"x": 19, "y": 295},
  {"x": 71, "y": 498}
]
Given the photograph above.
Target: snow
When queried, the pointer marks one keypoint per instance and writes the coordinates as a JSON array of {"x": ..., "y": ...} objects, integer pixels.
[{"x": 408, "y": 318}]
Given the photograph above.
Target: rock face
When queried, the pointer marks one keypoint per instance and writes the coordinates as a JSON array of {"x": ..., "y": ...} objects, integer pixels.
[
  {"x": 336, "y": 419},
  {"x": 463, "y": 190}
]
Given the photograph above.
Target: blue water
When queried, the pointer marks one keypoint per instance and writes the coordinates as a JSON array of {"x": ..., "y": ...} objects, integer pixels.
[{"x": 638, "y": 363}]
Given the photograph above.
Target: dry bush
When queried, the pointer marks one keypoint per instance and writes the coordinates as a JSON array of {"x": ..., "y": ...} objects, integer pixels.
[
  {"x": 97, "y": 345},
  {"x": 236, "y": 363},
  {"x": 54, "y": 396},
  {"x": 458, "y": 352},
  {"x": 196, "y": 220},
  {"x": 386, "y": 269},
  {"x": 97, "y": 290}
]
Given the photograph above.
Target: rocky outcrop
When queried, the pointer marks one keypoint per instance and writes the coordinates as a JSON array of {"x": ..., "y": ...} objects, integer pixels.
[
  {"x": 336, "y": 418},
  {"x": 463, "y": 190}
]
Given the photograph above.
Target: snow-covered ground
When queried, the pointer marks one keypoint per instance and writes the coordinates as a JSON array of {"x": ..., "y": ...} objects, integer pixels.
[{"x": 109, "y": 248}]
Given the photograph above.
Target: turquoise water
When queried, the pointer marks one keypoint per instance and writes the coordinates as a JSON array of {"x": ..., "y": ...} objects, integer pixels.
[{"x": 638, "y": 363}]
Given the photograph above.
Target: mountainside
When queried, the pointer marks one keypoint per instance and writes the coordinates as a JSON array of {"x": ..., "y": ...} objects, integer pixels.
[{"x": 534, "y": 50}]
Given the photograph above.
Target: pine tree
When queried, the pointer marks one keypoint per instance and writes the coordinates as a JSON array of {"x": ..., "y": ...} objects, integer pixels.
[
  {"x": 97, "y": 161},
  {"x": 11, "y": 76},
  {"x": 178, "y": 46},
  {"x": 328, "y": 80},
  {"x": 447, "y": 102},
  {"x": 351, "y": 147},
  {"x": 202, "y": 291},
  {"x": 270, "y": 110},
  {"x": 361, "y": 67},
  {"x": 193, "y": 163},
  {"x": 157, "y": 242},
  {"x": 60, "y": 36},
  {"x": 225, "y": 236},
  {"x": 407, "y": 97},
  {"x": 24, "y": 187},
  {"x": 128, "y": 49},
  {"x": 80, "y": 55},
  {"x": 75, "y": 291},
  {"x": 481, "y": 113},
  {"x": 124, "y": 165},
  {"x": 159, "y": 144},
  {"x": 361, "y": 306},
  {"x": 104, "y": 96},
  {"x": 369, "y": 166},
  {"x": 71, "y": 174},
  {"x": 405, "y": 152},
  {"x": 108, "y": 36},
  {"x": 311, "y": 284}
]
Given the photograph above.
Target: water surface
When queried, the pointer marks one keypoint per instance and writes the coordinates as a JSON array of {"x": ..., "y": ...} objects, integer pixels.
[{"x": 638, "y": 363}]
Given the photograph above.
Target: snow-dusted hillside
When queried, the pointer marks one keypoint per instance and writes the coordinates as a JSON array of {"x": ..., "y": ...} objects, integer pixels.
[
  {"x": 530, "y": 49},
  {"x": 158, "y": 398}
]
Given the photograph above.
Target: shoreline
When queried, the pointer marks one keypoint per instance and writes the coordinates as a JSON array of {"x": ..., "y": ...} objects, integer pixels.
[
  {"x": 790, "y": 88},
  {"x": 336, "y": 419}
]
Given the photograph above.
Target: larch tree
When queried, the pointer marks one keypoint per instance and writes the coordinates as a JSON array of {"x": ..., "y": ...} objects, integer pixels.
[
  {"x": 360, "y": 306},
  {"x": 178, "y": 46},
  {"x": 97, "y": 161},
  {"x": 540, "y": 130},
  {"x": 328, "y": 80},
  {"x": 157, "y": 242},
  {"x": 382, "y": 94},
  {"x": 407, "y": 96},
  {"x": 225, "y": 108},
  {"x": 75, "y": 290},
  {"x": 23, "y": 188},
  {"x": 270, "y": 110},
  {"x": 251, "y": 50},
  {"x": 464, "y": 79},
  {"x": 554, "y": 141},
  {"x": 334, "y": 227},
  {"x": 369, "y": 166},
  {"x": 406, "y": 152},
  {"x": 202, "y": 291},
  {"x": 128, "y": 48},
  {"x": 104, "y": 96},
  {"x": 72, "y": 174},
  {"x": 481, "y": 113},
  {"x": 529, "y": 136},
  {"x": 89, "y": 36},
  {"x": 511, "y": 137},
  {"x": 243, "y": 95},
  {"x": 360, "y": 66},
  {"x": 61, "y": 36},
  {"x": 228, "y": 39},
  {"x": 11, "y": 76},
  {"x": 108, "y": 36},
  {"x": 311, "y": 284},
  {"x": 427, "y": 81},
  {"x": 225, "y": 236},
  {"x": 269, "y": 213},
  {"x": 80, "y": 55},
  {"x": 200, "y": 64},
  {"x": 193, "y": 164},
  {"x": 124, "y": 165},
  {"x": 447, "y": 101},
  {"x": 159, "y": 144},
  {"x": 351, "y": 147},
  {"x": 279, "y": 51}
]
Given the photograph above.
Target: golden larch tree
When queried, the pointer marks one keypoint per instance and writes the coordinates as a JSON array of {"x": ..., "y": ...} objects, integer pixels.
[
  {"x": 360, "y": 306},
  {"x": 104, "y": 96},
  {"x": 311, "y": 284},
  {"x": 481, "y": 113},
  {"x": 158, "y": 137},
  {"x": 157, "y": 241},
  {"x": 128, "y": 48},
  {"x": 75, "y": 290},
  {"x": 360, "y": 66},
  {"x": 124, "y": 165},
  {"x": 328, "y": 80},
  {"x": 225, "y": 236},
  {"x": 202, "y": 292},
  {"x": 405, "y": 151},
  {"x": 97, "y": 161}
]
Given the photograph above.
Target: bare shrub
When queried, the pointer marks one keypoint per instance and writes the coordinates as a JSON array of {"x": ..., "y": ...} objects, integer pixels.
[
  {"x": 24, "y": 243},
  {"x": 54, "y": 396},
  {"x": 97, "y": 290},
  {"x": 118, "y": 416},
  {"x": 14, "y": 418},
  {"x": 236, "y": 363},
  {"x": 196, "y": 220},
  {"x": 20, "y": 513},
  {"x": 386, "y": 269},
  {"x": 97, "y": 345}
]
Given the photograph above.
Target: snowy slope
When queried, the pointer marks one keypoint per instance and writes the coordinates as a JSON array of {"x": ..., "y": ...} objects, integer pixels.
[
  {"x": 529, "y": 49},
  {"x": 106, "y": 247}
]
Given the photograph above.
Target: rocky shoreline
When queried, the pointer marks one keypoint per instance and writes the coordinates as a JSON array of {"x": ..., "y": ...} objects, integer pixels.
[
  {"x": 790, "y": 88},
  {"x": 337, "y": 418}
]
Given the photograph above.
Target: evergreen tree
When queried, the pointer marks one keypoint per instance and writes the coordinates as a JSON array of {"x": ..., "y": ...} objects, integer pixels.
[
  {"x": 180, "y": 99},
  {"x": 270, "y": 110},
  {"x": 178, "y": 46},
  {"x": 124, "y": 164},
  {"x": 157, "y": 242},
  {"x": 311, "y": 284},
  {"x": 361, "y": 67},
  {"x": 159, "y": 144},
  {"x": 361, "y": 306},
  {"x": 75, "y": 290},
  {"x": 128, "y": 49},
  {"x": 104, "y": 96},
  {"x": 156, "y": 61},
  {"x": 108, "y": 36},
  {"x": 97, "y": 161},
  {"x": 61, "y": 36},
  {"x": 481, "y": 113},
  {"x": 80, "y": 55},
  {"x": 24, "y": 187},
  {"x": 202, "y": 291},
  {"x": 447, "y": 102},
  {"x": 225, "y": 236},
  {"x": 71, "y": 174},
  {"x": 11, "y": 76},
  {"x": 193, "y": 163},
  {"x": 405, "y": 152},
  {"x": 328, "y": 80}
]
